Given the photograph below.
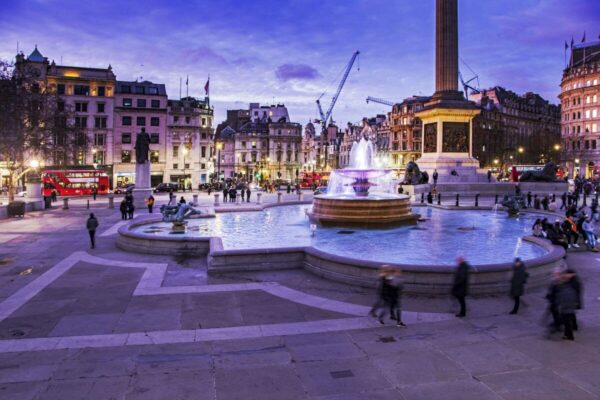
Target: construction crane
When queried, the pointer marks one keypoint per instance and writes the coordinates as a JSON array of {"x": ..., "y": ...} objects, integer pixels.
[
  {"x": 381, "y": 101},
  {"x": 467, "y": 84},
  {"x": 326, "y": 116}
]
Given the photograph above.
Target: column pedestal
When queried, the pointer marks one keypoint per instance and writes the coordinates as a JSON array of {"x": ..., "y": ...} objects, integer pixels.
[{"x": 142, "y": 185}]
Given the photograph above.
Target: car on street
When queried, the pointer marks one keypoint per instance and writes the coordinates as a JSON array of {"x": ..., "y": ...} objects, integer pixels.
[
  {"x": 165, "y": 187},
  {"x": 124, "y": 189}
]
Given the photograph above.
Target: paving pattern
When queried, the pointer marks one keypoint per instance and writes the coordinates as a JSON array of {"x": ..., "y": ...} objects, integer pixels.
[{"x": 104, "y": 324}]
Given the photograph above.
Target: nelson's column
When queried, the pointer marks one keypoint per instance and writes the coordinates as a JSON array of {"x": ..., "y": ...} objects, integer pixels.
[{"x": 447, "y": 117}]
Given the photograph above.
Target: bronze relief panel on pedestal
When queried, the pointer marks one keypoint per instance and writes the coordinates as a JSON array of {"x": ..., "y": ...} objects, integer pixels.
[
  {"x": 455, "y": 137},
  {"x": 430, "y": 138}
]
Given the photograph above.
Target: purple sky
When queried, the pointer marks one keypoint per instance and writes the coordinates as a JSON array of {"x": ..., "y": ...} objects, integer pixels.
[{"x": 291, "y": 51}]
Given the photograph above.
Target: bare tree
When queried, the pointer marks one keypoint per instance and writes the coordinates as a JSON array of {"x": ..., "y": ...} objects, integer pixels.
[{"x": 36, "y": 125}]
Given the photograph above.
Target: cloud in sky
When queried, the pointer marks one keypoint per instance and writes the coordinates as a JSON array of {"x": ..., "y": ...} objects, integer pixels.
[
  {"x": 287, "y": 72},
  {"x": 291, "y": 51}
]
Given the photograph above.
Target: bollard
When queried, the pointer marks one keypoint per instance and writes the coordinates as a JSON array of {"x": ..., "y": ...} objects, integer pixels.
[
  {"x": 237, "y": 200},
  {"x": 111, "y": 201},
  {"x": 457, "y": 197},
  {"x": 88, "y": 204},
  {"x": 65, "y": 203},
  {"x": 258, "y": 196},
  {"x": 585, "y": 200},
  {"x": 300, "y": 196},
  {"x": 439, "y": 199},
  {"x": 195, "y": 196},
  {"x": 553, "y": 197},
  {"x": 496, "y": 201},
  {"x": 422, "y": 198},
  {"x": 477, "y": 200},
  {"x": 216, "y": 199},
  {"x": 279, "y": 197}
]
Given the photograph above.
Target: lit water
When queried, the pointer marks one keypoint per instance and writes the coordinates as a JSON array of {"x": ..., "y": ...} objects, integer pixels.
[{"x": 483, "y": 237}]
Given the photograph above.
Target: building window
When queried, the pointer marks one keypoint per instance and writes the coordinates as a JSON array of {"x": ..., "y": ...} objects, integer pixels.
[
  {"x": 594, "y": 144},
  {"x": 127, "y": 102},
  {"x": 203, "y": 135},
  {"x": 126, "y": 121},
  {"x": 81, "y": 122},
  {"x": 81, "y": 107},
  {"x": 175, "y": 119},
  {"x": 82, "y": 90},
  {"x": 203, "y": 151},
  {"x": 154, "y": 156},
  {"x": 60, "y": 106},
  {"x": 125, "y": 156},
  {"x": 155, "y": 103},
  {"x": 80, "y": 157},
  {"x": 202, "y": 166},
  {"x": 175, "y": 151},
  {"x": 140, "y": 121},
  {"x": 187, "y": 120},
  {"x": 100, "y": 122},
  {"x": 152, "y": 90},
  {"x": 98, "y": 157},
  {"x": 100, "y": 107},
  {"x": 186, "y": 166},
  {"x": 141, "y": 103},
  {"x": 101, "y": 91},
  {"x": 203, "y": 121},
  {"x": 154, "y": 121},
  {"x": 587, "y": 144},
  {"x": 154, "y": 138},
  {"x": 126, "y": 138},
  {"x": 139, "y": 90},
  {"x": 175, "y": 166},
  {"x": 99, "y": 139},
  {"x": 125, "y": 89},
  {"x": 60, "y": 88}
]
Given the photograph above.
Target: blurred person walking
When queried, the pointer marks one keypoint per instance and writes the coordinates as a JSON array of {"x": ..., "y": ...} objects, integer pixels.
[
  {"x": 92, "y": 225},
  {"x": 460, "y": 287},
  {"x": 517, "y": 283}
]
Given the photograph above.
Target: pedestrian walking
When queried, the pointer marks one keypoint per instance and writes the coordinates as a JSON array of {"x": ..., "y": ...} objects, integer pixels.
[
  {"x": 150, "y": 203},
  {"x": 552, "y": 310},
  {"x": 92, "y": 225},
  {"x": 576, "y": 284},
  {"x": 248, "y": 192},
  {"x": 567, "y": 304},
  {"x": 563, "y": 200},
  {"x": 460, "y": 287},
  {"x": 529, "y": 197},
  {"x": 130, "y": 210},
  {"x": 209, "y": 189},
  {"x": 171, "y": 196},
  {"x": 53, "y": 195},
  {"x": 435, "y": 177},
  {"x": 94, "y": 192},
  {"x": 517, "y": 283},
  {"x": 243, "y": 194},
  {"x": 123, "y": 209},
  {"x": 489, "y": 176},
  {"x": 225, "y": 194}
]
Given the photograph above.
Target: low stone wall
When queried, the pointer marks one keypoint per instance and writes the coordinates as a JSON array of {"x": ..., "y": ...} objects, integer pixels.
[
  {"x": 487, "y": 189},
  {"x": 220, "y": 261}
]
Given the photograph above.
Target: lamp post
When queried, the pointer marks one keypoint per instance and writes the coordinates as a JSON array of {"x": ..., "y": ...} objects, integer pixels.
[
  {"x": 219, "y": 147},
  {"x": 184, "y": 151}
]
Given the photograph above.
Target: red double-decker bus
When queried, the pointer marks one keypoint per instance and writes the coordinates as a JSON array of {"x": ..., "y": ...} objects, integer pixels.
[{"x": 74, "y": 182}]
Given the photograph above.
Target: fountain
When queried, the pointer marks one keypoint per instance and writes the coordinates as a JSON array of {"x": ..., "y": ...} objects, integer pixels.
[{"x": 362, "y": 194}]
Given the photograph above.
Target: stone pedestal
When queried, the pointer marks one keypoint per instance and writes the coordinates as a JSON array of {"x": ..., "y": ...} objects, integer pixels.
[
  {"x": 216, "y": 199},
  {"x": 111, "y": 200},
  {"x": 142, "y": 185},
  {"x": 279, "y": 197},
  {"x": 34, "y": 195},
  {"x": 195, "y": 197},
  {"x": 65, "y": 203},
  {"x": 258, "y": 196}
]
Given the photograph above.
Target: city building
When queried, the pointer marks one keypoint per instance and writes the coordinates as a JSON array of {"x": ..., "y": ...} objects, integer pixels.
[
  {"x": 259, "y": 143},
  {"x": 190, "y": 142},
  {"x": 514, "y": 129},
  {"x": 139, "y": 105},
  {"x": 405, "y": 132},
  {"x": 580, "y": 101},
  {"x": 89, "y": 92}
]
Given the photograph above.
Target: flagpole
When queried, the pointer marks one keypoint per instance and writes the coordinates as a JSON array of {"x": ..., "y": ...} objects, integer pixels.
[
  {"x": 180, "y": 88},
  {"x": 187, "y": 86}
]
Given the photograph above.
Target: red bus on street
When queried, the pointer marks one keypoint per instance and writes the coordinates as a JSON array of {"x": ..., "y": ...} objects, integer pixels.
[
  {"x": 74, "y": 182},
  {"x": 517, "y": 170}
]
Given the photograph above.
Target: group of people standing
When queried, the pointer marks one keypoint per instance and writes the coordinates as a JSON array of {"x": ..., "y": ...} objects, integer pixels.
[
  {"x": 127, "y": 207},
  {"x": 230, "y": 193}
]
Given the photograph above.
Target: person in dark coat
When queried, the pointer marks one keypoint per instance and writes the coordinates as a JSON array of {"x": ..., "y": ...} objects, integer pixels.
[
  {"x": 576, "y": 284},
  {"x": 182, "y": 200},
  {"x": 225, "y": 195},
  {"x": 123, "y": 209},
  {"x": 150, "y": 203},
  {"x": 563, "y": 199},
  {"x": 248, "y": 192},
  {"x": 552, "y": 297},
  {"x": 130, "y": 210},
  {"x": 529, "y": 198},
  {"x": 92, "y": 225},
  {"x": 567, "y": 304},
  {"x": 517, "y": 283},
  {"x": 243, "y": 193},
  {"x": 232, "y": 194},
  {"x": 460, "y": 287}
]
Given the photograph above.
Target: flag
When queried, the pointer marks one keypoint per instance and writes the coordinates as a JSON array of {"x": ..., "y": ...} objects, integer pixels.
[
  {"x": 187, "y": 79},
  {"x": 583, "y": 38},
  {"x": 206, "y": 86}
]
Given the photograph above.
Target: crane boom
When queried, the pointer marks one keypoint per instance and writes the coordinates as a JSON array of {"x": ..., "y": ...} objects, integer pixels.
[
  {"x": 380, "y": 101},
  {"x": 325, "y": 116}
]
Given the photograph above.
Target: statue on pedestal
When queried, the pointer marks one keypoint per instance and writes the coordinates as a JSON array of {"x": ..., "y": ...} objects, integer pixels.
[{"x": 142, "y": 147}]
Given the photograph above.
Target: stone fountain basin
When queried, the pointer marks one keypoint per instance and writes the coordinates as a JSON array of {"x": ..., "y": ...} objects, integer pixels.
[{"x": 363, "y": 173}]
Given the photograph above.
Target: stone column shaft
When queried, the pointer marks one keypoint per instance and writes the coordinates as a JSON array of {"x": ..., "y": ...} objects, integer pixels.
[{"x": 446, "y": 45}]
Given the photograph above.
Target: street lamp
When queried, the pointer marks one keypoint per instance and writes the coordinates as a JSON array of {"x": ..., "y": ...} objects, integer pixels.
[
  {"x": 184, "y": 151},
  {"x": 557, "y": 147},
  {"x": 219, "y": 147}
]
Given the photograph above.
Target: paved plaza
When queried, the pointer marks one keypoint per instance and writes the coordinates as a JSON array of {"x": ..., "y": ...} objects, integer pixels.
[{"x": 81, "y": 323}]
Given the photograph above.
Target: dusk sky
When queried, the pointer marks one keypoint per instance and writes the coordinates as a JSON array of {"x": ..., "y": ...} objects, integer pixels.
[{"x": 291, "y": 51}]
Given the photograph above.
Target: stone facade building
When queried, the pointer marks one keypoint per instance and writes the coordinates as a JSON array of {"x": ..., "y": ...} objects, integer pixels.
[
  {"x": 405, "y": 132},
  {"x": 514, "y": 129},
  {"x": 259, "y": 143},
  {"x": 139, "y": 105},
  {"x": 89, "y": 92},
  {"x": 580, "y": 101}
]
